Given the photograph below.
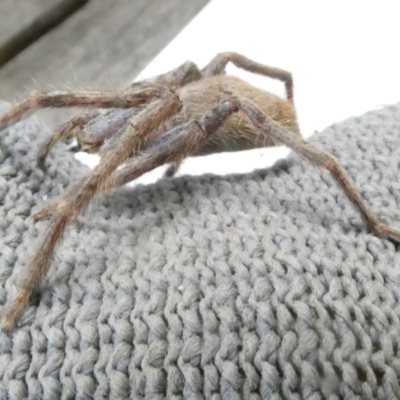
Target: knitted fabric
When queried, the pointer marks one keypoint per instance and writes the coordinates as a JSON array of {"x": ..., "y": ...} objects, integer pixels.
[{"x": 265, "y": 285}]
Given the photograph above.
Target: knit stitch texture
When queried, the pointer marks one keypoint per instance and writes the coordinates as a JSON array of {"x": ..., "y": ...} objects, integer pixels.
[{"x": 265, "y": 285}]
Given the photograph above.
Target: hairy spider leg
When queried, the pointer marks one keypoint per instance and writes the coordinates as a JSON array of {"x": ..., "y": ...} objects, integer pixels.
[
  {"x": 69, "y": 206},
  {"x": 176, "y": 144},
  {"x": 311, "y": 152},
  {"x": 63, "y": 132},
  {"x": 177, "y": 77},
  {"x": 321, "y": 158},
  {"x": 218, "y": 64},
  {"x": 186, "y": 73},
  {"x": 39, "y": 100}
]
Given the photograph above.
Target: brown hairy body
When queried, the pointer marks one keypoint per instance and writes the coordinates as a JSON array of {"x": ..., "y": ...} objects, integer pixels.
[
  {"x": 237, "y": 133},
  {"x": 185, "y": 112}
]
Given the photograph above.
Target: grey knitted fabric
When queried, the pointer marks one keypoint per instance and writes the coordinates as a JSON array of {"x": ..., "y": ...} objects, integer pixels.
[{"x": 257, "y": 286}]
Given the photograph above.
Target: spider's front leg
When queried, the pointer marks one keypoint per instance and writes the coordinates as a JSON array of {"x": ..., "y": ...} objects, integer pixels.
[
  {"x": 100, "y": 127},
  {"x": 137, "y": 132},
  {"x": 38, "y": 100},
  {"x": 171, "y": 147}
]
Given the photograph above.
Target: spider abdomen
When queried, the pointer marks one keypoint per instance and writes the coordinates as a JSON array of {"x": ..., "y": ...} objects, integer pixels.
[{"x": 237, "y": 133}]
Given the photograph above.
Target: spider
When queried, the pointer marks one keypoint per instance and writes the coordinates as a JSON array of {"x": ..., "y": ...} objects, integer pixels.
[{"x": 162, "y": 120}]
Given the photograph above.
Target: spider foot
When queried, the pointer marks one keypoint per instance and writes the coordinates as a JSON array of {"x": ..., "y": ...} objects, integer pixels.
[
  {"x": 388, "y": 232},
  {"x": 12, "y": 311},
  {"x": 8, "y": 322}
]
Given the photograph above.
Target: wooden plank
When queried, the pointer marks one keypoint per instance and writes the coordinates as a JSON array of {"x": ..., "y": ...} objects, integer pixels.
[
  {"x": 29, "y": 25},
  {"x": 16, "y": 15},
  {"x": 104, "y": 45}
]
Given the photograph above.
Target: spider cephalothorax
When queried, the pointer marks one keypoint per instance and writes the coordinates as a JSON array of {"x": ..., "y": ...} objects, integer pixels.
[{"x": 185, "y": 112}]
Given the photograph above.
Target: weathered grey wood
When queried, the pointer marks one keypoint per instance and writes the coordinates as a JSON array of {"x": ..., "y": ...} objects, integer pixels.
[
  {"x": 16, "y": 15},
  {"x": 34, "y": 24},
  {"x": 104, "y": 45}
]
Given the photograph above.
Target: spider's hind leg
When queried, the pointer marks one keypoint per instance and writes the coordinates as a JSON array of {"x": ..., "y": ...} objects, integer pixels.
[
  {"x": 320, "y": 158},
  {"x": 218, "y": 64}
]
